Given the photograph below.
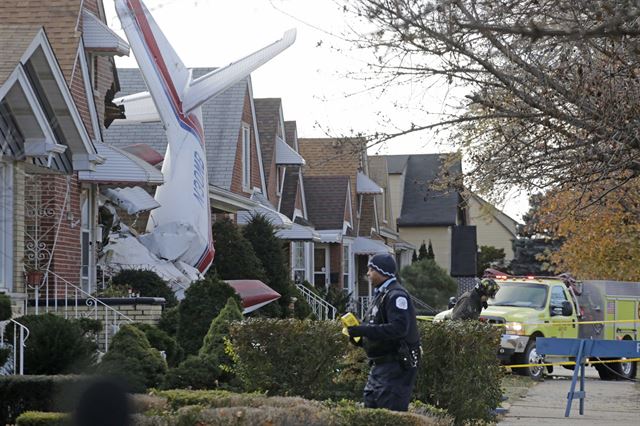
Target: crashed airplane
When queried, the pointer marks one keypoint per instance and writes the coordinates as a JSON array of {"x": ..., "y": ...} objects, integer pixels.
[{"x": 179, "y": 230}]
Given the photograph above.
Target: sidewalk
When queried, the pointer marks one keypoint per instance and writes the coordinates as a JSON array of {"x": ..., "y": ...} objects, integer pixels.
[{"x": 606, "y": 403}]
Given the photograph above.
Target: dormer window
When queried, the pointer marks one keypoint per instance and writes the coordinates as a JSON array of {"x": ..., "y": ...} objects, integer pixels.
[{"x": 246, "y": 157}]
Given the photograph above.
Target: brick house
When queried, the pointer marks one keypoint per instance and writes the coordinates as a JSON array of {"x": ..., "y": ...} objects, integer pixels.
[
  {"x": 359, "y": 237},
  {"x": 57, "y": 78}
]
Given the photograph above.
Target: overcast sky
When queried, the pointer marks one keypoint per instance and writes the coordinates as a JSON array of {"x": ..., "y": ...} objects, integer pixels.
[{"x": 310, "y": 76}]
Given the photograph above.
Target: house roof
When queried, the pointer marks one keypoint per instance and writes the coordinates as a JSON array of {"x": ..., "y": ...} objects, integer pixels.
[
  {"x": 97, "y": 36},
  {"x": 287, "y": 156},
  {"x": 365, "y": 185},
  {"x": 289, "y": 192},
  {"x": 506, "y": 221},
  {"x": 268, "y": 117},
  {"x": 60, "y": 21},
  {"x": 326, "y": 197},
  {"x": 14, "y": 40},
  {"x": 396, "y": 163},
  {"x": 422, "y": 205},
  {"x": 221, "y": 118},
  {"x": 121, "y": 167}
]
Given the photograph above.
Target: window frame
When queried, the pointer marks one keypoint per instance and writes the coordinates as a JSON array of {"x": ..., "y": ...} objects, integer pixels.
[
  {"x": 246, "y": 157},
  {"x": 295, "y": 267},
  {"x": 6, "y": 226}
]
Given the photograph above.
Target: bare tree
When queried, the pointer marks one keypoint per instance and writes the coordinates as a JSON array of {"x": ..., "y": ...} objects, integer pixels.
[{"x": 553, "y": 85}]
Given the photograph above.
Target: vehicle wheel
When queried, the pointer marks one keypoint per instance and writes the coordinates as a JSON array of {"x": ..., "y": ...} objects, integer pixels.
[
  {"x": 530, "y": 356},
  {"x": 624, "y": 370},
  {"x": 605, "y": 371}
]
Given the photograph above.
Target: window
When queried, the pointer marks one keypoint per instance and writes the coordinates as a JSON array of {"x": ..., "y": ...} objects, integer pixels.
[
  {"x": 6, "y": 225},
  {"x": 246, "y": 157},
  {"x": 85, "y": 240},
  {"x": 345, "y": 267},
  {"x": 558, "y": 297},
  {"x": 95, "y": 72},
  {"x": 320, "y": 261},
  {"x": 298, "y": 261},
  {"x": 279, "y": 179},
  {"x": 384, "y": 207}
]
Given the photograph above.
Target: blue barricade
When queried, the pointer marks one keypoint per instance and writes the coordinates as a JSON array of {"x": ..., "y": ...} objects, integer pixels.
[{"x": 581, "y": 349}]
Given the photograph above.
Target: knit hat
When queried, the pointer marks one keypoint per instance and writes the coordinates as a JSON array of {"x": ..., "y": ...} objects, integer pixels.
[{"x": 383, "y": 263}]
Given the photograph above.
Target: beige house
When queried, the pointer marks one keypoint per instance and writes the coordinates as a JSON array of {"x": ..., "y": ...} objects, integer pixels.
[{"x": 494, "y": 228}]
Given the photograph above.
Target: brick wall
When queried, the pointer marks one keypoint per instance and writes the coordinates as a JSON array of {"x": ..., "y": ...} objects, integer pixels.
[
  {"x": 79, "y": 95},
  {"x": 367, "y": 216},
  {"x": 335, "y": 259}
]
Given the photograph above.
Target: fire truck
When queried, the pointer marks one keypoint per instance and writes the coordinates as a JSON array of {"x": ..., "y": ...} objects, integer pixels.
[{"x": 533, "y": 306}]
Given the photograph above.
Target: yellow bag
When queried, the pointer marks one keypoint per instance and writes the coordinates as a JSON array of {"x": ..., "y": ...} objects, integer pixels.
[{"x": 349, "y": 320}]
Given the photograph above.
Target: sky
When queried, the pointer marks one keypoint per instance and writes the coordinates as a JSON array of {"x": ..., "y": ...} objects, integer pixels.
[{"x": 310, "y": 76}]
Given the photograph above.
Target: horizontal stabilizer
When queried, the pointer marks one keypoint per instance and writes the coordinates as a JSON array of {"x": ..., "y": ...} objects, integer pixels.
[
  {"x": 217, "y": 81},
  {"x": 138, "y": 108}
]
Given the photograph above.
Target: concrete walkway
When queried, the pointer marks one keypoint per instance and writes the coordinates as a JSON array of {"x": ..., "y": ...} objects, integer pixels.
[{"x": 606, "y": 403}]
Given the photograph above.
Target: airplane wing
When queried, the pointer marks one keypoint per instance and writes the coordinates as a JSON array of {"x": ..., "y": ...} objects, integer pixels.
[
  {"x": 217, "y": 81},
  {"x": 138, "y": 108}
]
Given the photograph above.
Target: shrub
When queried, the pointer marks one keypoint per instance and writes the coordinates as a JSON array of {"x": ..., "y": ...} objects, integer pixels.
[
  {"x": 131, "y": 358},
  {"x": 38, "y": 393},
  {"x": 162, "y": 342},
  {"x": 56, "y": 345},
  {"x": 429, "y": 282},
  {"x": 213, "y": 343},
  {"x": 202, "y": 303},
  {"x": 147, "y": 283},
  {"x": 235, "y": 258},
  {"x": 5, "y": 353},
  {"x": 5, "y": 307},
  {"x": 490, "y": 257},
  {"x": 460, "y": 371},
  {"x": 268, "y": 248},
  {"x": 196, "y": 372},
  {"x": 287, "y": 357},
  {"x": 169, "y": 321},
  {"x": 39, "y": 418}
]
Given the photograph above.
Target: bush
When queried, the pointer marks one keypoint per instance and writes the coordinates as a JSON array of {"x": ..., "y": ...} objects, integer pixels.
[
  {"x": 268, "y": 248},
  {"x": 57, "y": 345},
  {"x": 162, "y": 342},
  {"x": 40, "y": 393},
  {"x": 169, "y": 321},
  {"x": 39, "y": 418},
  {"x": 287, "y": 357},
  {"x": 196, "y": 372},
  {"x": 460, "y": 371},
  {"x": 235, "y": 258},
  {"x": 428, "y": 282},
  {"x": 5, "y": 353},
  {"x": 202, "y": 303},
  {"x": 5, "y": 307},
  {"x": 147, "y": 283},
  {"x": 131, "y": 358},
  {"x": 213, "y": 343}
]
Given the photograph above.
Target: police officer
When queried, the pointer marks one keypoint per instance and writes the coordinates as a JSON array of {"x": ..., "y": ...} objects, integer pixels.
[
  {"x": 471, "y": 302},
  {"x": 390, "y": 337}
]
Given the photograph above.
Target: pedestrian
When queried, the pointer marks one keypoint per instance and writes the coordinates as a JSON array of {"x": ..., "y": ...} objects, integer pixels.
[
  {"x": 471, "y": 302},
  {"x": 390, "y": 338}
]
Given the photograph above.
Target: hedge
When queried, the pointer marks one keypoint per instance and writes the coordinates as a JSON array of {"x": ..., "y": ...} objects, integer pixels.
[
  {"x": 40, "y": 393},
  {"x": 287, "y": 357},
  {"x": 39, "y": 418}
]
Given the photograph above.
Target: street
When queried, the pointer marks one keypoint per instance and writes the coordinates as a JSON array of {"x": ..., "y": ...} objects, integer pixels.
[{"x": 606, "y": 402}]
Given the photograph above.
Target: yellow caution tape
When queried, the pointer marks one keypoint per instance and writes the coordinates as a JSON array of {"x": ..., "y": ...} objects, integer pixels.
[
  {"x": 559, "y": 323},
  {"x": 589, "y": 362}
]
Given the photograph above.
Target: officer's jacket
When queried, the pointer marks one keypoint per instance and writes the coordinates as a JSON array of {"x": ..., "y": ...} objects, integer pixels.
[
  {"x": 390, "y": 320},
  {"x": 469, "y": 306}
]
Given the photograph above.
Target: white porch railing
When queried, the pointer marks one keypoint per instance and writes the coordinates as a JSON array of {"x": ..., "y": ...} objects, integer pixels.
[
  {"x": 363, "y": 305},
  {"x": 71, "y": 301},
  {"x": 321, "y": 308},
  {"x": 20, "y": 336}
]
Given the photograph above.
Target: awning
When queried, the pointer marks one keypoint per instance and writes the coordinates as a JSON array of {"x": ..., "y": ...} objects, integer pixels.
[
  {"x": 134, "y": 200},
  {"x": 363, "y": 245},
  {"x": 298, "y": 233},
  {"x": 145, "y": 152},
  {"x": 254, "y": 294},
  {"x": 285, "y": 155},
  {"x": 121, "y": 167},
  {"x": 364, "y": 185},
  {"x": 98, "y": 37},
  {"x": 330, "y": 236},
  {"x": 277, "y": 219}
]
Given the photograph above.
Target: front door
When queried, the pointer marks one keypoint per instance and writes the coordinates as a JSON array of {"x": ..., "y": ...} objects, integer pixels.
[{"x": 321, "y": 266}]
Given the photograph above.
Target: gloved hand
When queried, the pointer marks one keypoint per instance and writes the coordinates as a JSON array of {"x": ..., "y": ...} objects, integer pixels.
[
  {"x": 357, "y": 330},
  {"x": 485, "y": 305}
]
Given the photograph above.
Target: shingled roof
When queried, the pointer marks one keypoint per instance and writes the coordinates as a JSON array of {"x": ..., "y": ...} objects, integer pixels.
[
  {"x": 326, "y": 197},
  {"x": 422, "y": 205},
  {"x": 221, "y": 118},
  {"x": 268, "y": 117},
  {"x": 289, "y": 192},
  {"x": 59, "y": 18}
]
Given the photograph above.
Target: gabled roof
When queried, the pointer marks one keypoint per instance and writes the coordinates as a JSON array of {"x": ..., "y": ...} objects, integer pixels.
[
  {"x": 268, "y": 117},
  {"x": 507, "y": 222},
  {"x": 326, "y": 198},
  {"x": 287, "y": 156},
  {"x": 221, "y": 118},
  {"x": 121, "y": 167},
  {"x": 396, "y": 163},
  {"x": 364, "y": 185},
  {"x": 289, "y": 192},
  {"x": 60, "y": 21},
  {"x": 98, "y": 37},
  {"x": 422, "y": 205}
]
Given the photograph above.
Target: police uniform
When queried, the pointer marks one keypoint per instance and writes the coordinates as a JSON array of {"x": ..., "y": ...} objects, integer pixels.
[
  {"x": 469, "y": 306},
  {"x": 391, "y": 339}
]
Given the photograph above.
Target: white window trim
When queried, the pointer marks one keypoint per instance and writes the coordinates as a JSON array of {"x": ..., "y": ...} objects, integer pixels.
[
  {"x": 88, "y": 88},
  {"x": 6, "y": 226},
  {"x": 246, "y": 157},
  {"x": 294, "y": 267},
  {"x": 348, "y": 285}
]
